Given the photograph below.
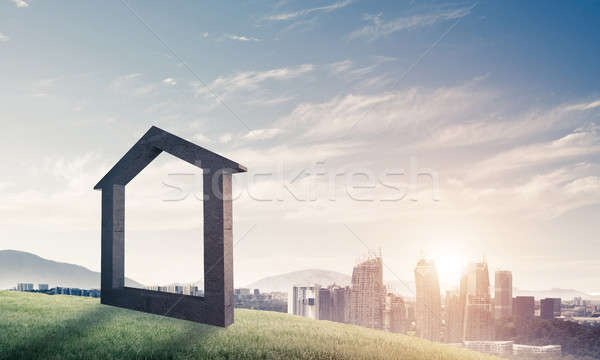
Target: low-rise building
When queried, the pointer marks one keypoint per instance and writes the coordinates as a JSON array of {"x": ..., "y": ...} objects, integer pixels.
[
  {"x": 304, "y": 301},
  {"x": 490, "y": 347},
  {"x": 552, "y": 350},
  {"x": 25, "y": 287}
]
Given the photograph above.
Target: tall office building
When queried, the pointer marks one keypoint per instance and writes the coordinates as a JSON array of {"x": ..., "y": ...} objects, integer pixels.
[
  {"x": 304, "y": 301},
  {"x": 341, "y": 304},
  {"x": 478, "y": 318},
  {"x": 428, "y": 302},
  {"x": 502, "y": 294},
  {"x": 453, "y": 315},
  {"x": 549, "y": 308},
  {"x": 395, "y": 319},
  {"x": 325, "y": 304},
  {"x": 524, "y": 306},
  {"x": 368, "y": 294}
]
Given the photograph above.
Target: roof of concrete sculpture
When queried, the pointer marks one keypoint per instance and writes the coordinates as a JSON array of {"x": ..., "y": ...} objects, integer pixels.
[{"x": 151, "y": 145}]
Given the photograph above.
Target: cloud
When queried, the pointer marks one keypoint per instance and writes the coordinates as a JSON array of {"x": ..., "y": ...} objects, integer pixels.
[
  {"x": 205, "y": 35},
  {"x": 123, "y": 79},
  {"x": 144, "y": 90},
  {"x": 583, "y": 106},
  {"x": 20, "y": 3},
  {"x": 202, "y": 138},
  {"x": 3, "y": 38},
  {"x": 341, "y": 66},
  {"x": 582, "y": 142},
  {"x": 262, "y": 134},
  {"x": 347, "y": 67},
  {"x": 169, "y": 81},
  {"x": 409, "y": 113},
  {"x": 544, "y": 195},
  {"x": 41, "y": 88},
  {"x": 380, "y": 28},
  {"x": 251, "y": 79},
  {"x": 225, "y": 138},
  {"x": 131, "y": 84},
  {"x": 240, "y": 38},
  {"x": 304, "y": 12},
  {"x": 270, "y": 100}
]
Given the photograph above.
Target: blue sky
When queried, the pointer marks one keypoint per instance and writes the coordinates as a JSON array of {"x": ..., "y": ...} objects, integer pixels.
[{"x": 499, "y": 99}]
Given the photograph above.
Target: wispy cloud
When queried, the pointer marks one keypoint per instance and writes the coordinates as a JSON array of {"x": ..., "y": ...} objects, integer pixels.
[
  {"x": 348, "y": 67},
  {"x": 20, "y": 3},
  {"x": 341, "y": 66},
  {"x": 381, "y": 28},
  {"x": 3, "y": 38},
  {"x": 304, "y": 12},
  {"x": 240, "y": 37},
  {"x": 169, "y": 81},
  {"x": 251, "y": 79},
  {"x": 582, "y": 142},
  {"x": 42, "y": 87},
  {"x": 144, "y": 90},
  {"x": 583, "y": 106},
  {"x": 262, "y": 134},
  {"x": 121, "y": 80},
  {"x": 270, "y": 100}
]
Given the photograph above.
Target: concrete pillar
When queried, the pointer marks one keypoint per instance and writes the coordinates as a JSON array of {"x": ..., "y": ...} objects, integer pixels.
[
  {"x": 218, "y": 247},
  {"x": 113, "y": 236}
]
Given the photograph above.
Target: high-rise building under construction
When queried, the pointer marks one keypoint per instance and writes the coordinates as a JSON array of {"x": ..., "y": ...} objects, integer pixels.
[
  {"x": 367, "y": 298},
  {"x": 428, "y": 302}
]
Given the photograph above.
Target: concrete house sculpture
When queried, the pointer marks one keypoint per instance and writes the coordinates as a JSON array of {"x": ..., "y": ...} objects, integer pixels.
[{"x": 216, "y": 307}]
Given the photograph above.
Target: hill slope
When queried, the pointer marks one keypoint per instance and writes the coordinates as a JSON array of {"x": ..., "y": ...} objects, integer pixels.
[
  {"x": 19, "y": 266},
  {"x": 284, "y": 282},
  {"x": 37, "y": 326}
]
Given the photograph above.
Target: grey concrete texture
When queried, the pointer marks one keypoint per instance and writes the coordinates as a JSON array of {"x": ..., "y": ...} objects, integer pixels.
[{"x": 216, "y": 307}]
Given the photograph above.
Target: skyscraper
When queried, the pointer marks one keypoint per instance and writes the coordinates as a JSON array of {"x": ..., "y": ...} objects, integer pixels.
[
  {"x": 478, "y": 320},
  {"x": 368, "y": 294},
  {"x": 395, "y": 319},
  {"x": 524, "y": 306},
  {"x": 502, "y": 294},
  {"x": 453, "y": 314},
  {"x": 428, "y": 303}
]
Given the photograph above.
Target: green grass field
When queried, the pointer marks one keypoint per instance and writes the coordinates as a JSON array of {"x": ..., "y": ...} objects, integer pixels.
[{"x": 69, "y": 327}]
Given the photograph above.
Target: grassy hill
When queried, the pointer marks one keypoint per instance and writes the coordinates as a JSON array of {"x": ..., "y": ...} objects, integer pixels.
[{"x": 69, "y": 327}]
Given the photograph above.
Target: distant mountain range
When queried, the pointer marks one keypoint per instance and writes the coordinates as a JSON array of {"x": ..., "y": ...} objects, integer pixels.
[
  {"x": 284, "y": 282},
  {"x": 565, "y": 294},
  {"x": 23, "y": 267}
]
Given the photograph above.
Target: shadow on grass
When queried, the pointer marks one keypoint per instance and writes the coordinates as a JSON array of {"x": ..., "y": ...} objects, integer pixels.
[
  {"x": 52, "y": 340},
  {"x": 190, "y": 340},
  {"x": 48, "y": 342}
]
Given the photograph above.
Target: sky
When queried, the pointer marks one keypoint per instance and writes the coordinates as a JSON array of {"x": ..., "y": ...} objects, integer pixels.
[{"x": 450, "y": 130}]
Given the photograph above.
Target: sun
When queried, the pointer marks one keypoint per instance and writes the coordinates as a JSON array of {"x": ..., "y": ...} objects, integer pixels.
[{"x": 449, "y": 268}]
